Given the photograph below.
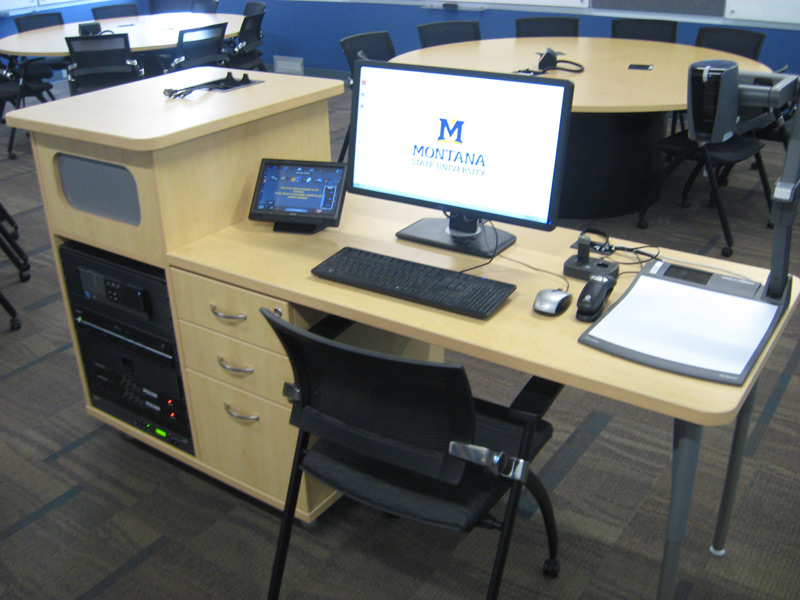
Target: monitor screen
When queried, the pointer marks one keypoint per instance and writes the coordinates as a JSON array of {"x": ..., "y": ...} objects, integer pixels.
[
  {"x": 479, "y": 146},
  {"x": 299, "y": 196}
]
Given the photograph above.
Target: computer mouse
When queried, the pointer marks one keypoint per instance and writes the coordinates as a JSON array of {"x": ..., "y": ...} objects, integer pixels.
[{"x": 551, "y": 302}]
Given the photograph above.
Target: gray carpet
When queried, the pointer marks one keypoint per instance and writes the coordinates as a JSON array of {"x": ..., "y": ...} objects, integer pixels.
[{"x": 87, "y": 514}]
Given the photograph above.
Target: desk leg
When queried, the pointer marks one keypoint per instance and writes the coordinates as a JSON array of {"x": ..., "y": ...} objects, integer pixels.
[
  {"x": 685, "y": 451},
  {"x": 732, "y": 476}
]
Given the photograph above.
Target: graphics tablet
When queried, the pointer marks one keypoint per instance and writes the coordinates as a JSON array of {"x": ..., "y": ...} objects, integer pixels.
[{"x": 299, "y": 196}]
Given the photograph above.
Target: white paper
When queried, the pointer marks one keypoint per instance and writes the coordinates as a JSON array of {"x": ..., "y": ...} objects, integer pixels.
[{"x": 687, "y": 325}]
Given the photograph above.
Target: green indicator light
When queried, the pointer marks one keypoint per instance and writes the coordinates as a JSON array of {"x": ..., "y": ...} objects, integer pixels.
[{"x": 160, "y": 432}]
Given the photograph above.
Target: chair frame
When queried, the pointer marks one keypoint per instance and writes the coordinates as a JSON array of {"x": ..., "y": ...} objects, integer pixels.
[
  {"x": 465, "y": 31},
  {"x": 128, "y": 67},
  {"x": 627, "y": 29},
  {"x": 182, "y": 62},
  {"x": 455, "y": 410},
  {"x": 547, "y": 27},
  {"x": 113, "y": 11},
  {"x": 753, "y": 39}
]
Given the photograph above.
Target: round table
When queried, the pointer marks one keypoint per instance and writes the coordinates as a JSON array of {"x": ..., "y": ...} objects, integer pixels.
[
  {"x": 617, "y": 112},
  {"x": 146, "y": 33}
]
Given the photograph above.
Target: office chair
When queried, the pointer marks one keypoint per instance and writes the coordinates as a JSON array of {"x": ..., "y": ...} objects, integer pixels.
[
  {"x": 43, "y": 68},
  {"x": 448, "y": 32},
  {"x": 254, "y": 8},
  {"x": 8, "y": 244},
  {"x": 375, "y": 45},
  {"x": 100, "y": 61},
  {"x": 201, "y": 46},
  {"x": 712, "y": 141},
  {"x": 203, "y": 6},
  {"x": 16, "y": 85},
  {"x": 547, "y": 27},
  {"x": 406, "y": 437},
  {"x": 38, "y": 21},
  {"x": 112, "y": 11},
  {"x": 246, "y": 53},
  {"x": 736, "y": 41},
  {"x": 654, "y": 30}
]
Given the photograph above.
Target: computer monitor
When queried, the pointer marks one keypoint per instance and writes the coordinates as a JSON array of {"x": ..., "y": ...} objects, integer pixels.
[{"x": 478, "y": 146}]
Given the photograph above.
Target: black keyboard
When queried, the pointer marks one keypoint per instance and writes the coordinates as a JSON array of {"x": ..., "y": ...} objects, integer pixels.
[{"x": 441, "y": 288}]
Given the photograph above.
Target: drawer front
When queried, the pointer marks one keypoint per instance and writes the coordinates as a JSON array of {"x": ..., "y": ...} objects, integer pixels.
[
  {"x": 236, "y": 363},
  {"x": 245, "y": 437},
  {"x": 226, "y": 308}
]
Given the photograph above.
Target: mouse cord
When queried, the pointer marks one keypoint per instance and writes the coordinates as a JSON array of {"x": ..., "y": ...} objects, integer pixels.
[
  {"x": 494, "y": 252},
  {"x": 553, "y": 273}
]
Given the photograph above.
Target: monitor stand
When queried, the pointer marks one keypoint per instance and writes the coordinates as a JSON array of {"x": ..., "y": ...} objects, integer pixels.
[
  {"x": 487, "y": 242},
  {"x": 297, "y": 228}
]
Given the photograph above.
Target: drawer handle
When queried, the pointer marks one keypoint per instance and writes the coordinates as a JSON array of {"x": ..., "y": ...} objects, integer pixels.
[
  {"x": 221, "y": 315},
  {"x": 236, "y": 415},
  {"x": 227, "y": 367}
]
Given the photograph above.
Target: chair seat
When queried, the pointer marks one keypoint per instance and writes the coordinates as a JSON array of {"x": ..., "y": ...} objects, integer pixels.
[
  {"x": 736, "y": 149},
  {"x": 411, "y": 496}
]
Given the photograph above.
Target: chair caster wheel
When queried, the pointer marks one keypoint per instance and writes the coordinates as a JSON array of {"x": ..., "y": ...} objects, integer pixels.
[
  {"x": 551, "y": 567},
  {"x": 16, "y": 324},
  {"x": 686, "y": 203},
  {"x": 24, "y": 275},
  {"x": 642, "y": 224},
  {"x": 770, "y": 225},
  {"x": 727, "y": 252},
  {"x": 12, "y": 156}
]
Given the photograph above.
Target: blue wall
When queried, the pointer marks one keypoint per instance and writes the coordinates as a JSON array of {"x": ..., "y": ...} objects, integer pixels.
[{"x": 312, "y": 30}]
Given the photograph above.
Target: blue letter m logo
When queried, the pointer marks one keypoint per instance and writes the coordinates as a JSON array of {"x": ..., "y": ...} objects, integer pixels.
[{"x": 449, "y": 132}]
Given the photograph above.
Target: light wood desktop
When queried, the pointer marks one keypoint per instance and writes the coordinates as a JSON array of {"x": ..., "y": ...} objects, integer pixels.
[
  {"x": 617, "y": 112},
  {"x": 145, "y": 33}
]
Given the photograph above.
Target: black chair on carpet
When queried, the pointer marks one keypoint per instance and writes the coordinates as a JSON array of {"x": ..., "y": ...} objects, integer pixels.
[
  {"x": 737, "y": 41},
  {"x": 9, "y": 245},
  {"x": 100, "y": 61},
  {"x": 716, "y": 139},
  {"x": 246, "y": 53},
  {"x": 407, "y": 438},
  {"x": 448, "y": 32},
  {"x": 16, "y": 85},
  {"x": 254, "y": 8},
  {"x": 44, "y": 67},
  {"x": 113, "y": 11},
  {"x": 653, "y": 30},
  {"x": 547, "y": 27},
  {"x": 204, "y": 6},
  {"x": 201, "y": 46},
  {"x": 374, "y": 45}
]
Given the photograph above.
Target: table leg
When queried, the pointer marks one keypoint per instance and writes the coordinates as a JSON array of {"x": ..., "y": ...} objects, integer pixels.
[
  {"x": 732, "y": 476},
  {"x": 685, "y": 452}
]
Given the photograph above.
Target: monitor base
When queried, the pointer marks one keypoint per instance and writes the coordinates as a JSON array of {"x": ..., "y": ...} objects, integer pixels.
[{"x": 435, "y": 232}]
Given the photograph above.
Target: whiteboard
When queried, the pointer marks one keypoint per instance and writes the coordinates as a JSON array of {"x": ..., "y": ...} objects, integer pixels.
[
  {"x": 6, "y": 5},
  {"x": 555, "y": 3},
  {"x": 774, "y": 11}
]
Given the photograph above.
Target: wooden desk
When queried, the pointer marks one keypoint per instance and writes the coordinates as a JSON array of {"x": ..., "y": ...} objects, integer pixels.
[
  {"x": 193, "y": 165},
  {"x": 617, "y": 112},
  {"x": 145, "y": 33},
  {"x": 279, "y": 265}
]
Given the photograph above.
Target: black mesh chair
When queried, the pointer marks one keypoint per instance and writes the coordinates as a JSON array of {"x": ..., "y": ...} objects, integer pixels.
[
  {"x": 204, "y": 6},
  {"x": 715, "y": 144},
  {"x": 547, "y": 27},
  {"x": 201, "y": 46},
  {"x": 254, "y": 8},
  {"x": 737, "y": 41},
  {"x": 406, "y": 437},
  {"x": 9, "y": 233},
  {"x": 374, "y": 45},
  {"x": 43, "y": 68},
  {"x": 100, "y": 61},
  {"x": 246, "y": 52},
  {"x": 38, "y": 21},
  {"x": 112, "y": 11},
  {"x": 16, "y": 84},
  {"x": 654, "y": 30},
  {"x": 448, "y": 32}
]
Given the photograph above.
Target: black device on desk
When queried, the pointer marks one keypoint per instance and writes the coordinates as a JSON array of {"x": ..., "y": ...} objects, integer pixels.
[{"x": 299, "y": 196}]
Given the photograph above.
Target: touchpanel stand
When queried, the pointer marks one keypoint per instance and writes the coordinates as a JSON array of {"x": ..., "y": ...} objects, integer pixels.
[{"x": 436, "y": 232}]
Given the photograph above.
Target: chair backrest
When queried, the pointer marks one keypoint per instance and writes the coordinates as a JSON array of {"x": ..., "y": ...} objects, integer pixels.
[
  {"x": 401, "y": 411},
  {"x": 253, "y": 8},
  {"x": 113, "y": 11},
  {"x": 201, "y": 45},
  {"x": 375, "y": 45},
  {"x": 737, "y": 41},
  {"x": 653, "y": 30},
  {"x": 250, "y": 31},
  {"x": 204, "y": 6},
  {"x": 448, "y": 32},
  {"x": 38, "y": 20},
  {"x": 547, "y": 27},
  {"x": 95, "y": 52}
]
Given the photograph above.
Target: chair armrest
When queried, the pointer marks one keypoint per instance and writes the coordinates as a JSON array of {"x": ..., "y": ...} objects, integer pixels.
[{"x": 534, "y": 399}]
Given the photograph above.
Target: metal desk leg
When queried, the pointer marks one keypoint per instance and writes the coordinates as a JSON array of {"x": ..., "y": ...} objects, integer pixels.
[
  {"x": 732, "y": 476},
  {"x": 685, "y": 451}
]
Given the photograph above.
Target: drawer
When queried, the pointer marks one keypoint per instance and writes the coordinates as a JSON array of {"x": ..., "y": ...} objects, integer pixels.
[
  {"x": 225, "y": 308},
  {"x": 236, "y": 363},
  {"x": 242, "y": 436}
]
